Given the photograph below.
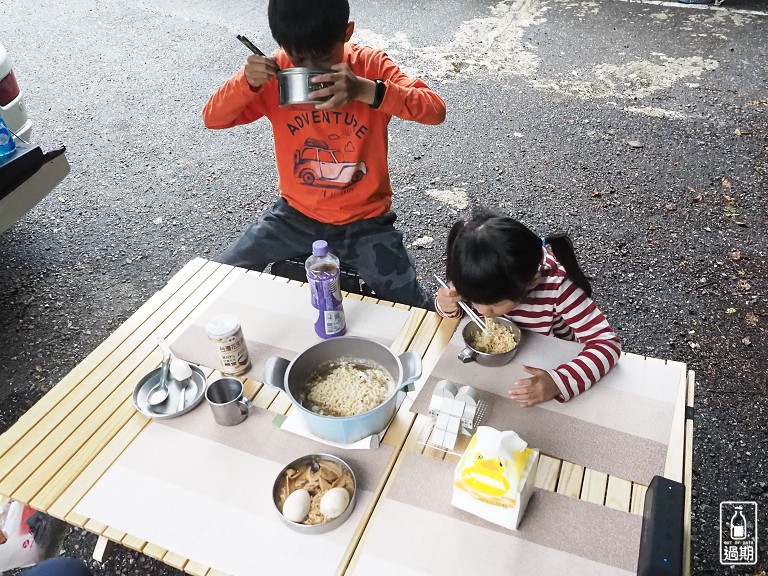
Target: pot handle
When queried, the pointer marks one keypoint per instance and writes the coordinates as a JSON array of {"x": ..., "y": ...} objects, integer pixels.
[
  {"x": 274, "y": 372},
  {"x": 411, "y": 363},
  {"x": 467, "y": 355}
]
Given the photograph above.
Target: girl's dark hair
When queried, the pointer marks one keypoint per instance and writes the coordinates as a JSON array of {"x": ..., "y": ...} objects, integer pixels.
[
  {"x": 492, "y": 258},
  {"x": 308, "y": 28}
]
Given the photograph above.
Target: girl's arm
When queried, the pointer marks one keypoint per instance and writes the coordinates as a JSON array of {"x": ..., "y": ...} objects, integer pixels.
[
  {"x": 234, "y": 103},
  {"x": 447, "y": 303},
  {"x": 602, "y": 346}
]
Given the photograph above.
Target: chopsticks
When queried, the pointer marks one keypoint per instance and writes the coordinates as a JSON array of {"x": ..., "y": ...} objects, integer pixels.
[
  {"x": 474, "y": 317},
  {"x": 252, "y": 47}
]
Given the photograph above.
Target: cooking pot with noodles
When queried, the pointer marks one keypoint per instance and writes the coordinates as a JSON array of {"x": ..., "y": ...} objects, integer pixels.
[{"x": 345, "y": 388}]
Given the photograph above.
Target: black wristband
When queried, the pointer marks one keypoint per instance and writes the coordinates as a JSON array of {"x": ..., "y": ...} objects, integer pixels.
[{"x": 378, "y": 96}]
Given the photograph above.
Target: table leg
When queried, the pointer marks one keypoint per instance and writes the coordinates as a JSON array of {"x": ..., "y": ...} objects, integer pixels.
[{"x": 103, "y": 549}]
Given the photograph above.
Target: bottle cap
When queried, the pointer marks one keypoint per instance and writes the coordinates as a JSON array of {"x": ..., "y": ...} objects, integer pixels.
[
  {"x": 320, "y": 248},
  {"x": 222, "y": 325}
]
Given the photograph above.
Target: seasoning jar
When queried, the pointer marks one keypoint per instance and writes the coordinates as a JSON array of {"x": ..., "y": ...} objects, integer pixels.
[{"x": 226, "y": 334}]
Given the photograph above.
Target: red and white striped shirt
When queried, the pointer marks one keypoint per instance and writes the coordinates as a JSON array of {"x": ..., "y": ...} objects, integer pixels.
[{"x": 556, "y": 306}]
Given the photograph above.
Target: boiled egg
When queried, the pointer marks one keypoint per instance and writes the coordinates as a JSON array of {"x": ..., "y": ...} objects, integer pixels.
[
  {"x": 296, "y": 506},
  {"x": 334, "y": 502}
]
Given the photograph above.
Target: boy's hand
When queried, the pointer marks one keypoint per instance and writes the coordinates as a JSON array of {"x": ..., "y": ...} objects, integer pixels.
[
  {"x": 346, "y": 88},
  {"x": 532, "y": 391},
  {"x": 448, "y": 300},
  {"x": 259, "y": 69}
]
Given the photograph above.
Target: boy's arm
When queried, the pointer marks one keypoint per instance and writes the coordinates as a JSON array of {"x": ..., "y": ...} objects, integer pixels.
[
  {"x": 602, "y": 347},
  {"x": 408, "y": 98},
  {"x": 234, "y": 103}
]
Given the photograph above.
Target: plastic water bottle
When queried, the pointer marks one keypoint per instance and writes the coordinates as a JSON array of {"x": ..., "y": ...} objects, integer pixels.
[
  {"x": 323, "y": 276},
  {"x": 7, "y": 144}
]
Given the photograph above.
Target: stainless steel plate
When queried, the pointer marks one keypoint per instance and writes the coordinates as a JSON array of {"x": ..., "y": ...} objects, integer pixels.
[
  {"x": 330, "y": 524},
  {"x": 193, "y": 394}
]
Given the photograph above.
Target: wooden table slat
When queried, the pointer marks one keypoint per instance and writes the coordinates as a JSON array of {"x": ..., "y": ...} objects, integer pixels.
[
  {"x": 673, "y": 468},
  {"x": 77, "y": 489},
  {"x": 44, "y": 406},
  {"x": 408, "y": 333},
  {"x": 196, "y": 569},
  {"x": 95, "y": 526},
  {"x": 133, "y": 542},
  {"x": 281, "y": 404},
  {"x": 46, "y": 482},
  {"x": 154, "y": 551},
  {"x": 688, "y": 475},
  {"x": 618, "y": 494},
  {"x": 113, "y": 534},
  {"x": 173, "y": 559},
  {"x": 638, "y": 499},
  {"x": 76, "y": 519},
  {"x": 571, "y": 479},
  {"x": 90, "y": 393},
  {"x": 594, "y": 486},
  {"x": 547, "y": 472}
]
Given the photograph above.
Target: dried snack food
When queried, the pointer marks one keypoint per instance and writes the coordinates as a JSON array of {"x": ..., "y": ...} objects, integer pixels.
[{"x": 317, "y": 478}]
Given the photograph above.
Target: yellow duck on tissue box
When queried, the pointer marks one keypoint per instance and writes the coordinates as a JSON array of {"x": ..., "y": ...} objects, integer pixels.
[{"x": 494, "y": 477}]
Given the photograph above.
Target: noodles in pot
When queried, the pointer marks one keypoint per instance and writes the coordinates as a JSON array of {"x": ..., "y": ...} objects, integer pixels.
[{"x": 348, "y": 387}]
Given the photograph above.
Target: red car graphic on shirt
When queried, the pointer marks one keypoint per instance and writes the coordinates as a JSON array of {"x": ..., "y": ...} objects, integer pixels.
[{"x": 319, "y": 163}]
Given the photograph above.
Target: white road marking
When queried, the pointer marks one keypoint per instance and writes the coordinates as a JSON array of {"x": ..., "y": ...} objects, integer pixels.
[
  {"x": 697, "y": 6},
  {"x": 455, "y": 196}
]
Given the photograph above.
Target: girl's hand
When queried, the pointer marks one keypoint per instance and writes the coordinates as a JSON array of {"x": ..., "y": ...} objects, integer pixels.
[
  {"x": 259, "y": 69},
  {"x": 448, "y": 300},
  {"x": 532, "y": 391},
  {"x": 346, "y": 88}
]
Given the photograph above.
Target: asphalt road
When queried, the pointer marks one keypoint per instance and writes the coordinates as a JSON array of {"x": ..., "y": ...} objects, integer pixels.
[{"x": 639, "y": 128}]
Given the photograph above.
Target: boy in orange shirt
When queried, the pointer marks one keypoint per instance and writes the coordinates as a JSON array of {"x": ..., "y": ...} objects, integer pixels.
[{"x": 331, "y": 157}]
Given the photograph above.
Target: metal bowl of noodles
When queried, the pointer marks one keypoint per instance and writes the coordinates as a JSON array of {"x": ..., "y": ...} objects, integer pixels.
[
  {"x": 295, "y": 85},
  {"x": 471, "y": 353},
  {"x": 318, "y": 474}
]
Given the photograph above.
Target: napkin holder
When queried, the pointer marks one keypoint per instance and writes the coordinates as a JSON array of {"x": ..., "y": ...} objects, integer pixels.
[{"x": 495, "y": 476}]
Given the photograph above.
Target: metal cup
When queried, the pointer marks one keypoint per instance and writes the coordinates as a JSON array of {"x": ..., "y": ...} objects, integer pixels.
[{"x": 225, "y": 397}]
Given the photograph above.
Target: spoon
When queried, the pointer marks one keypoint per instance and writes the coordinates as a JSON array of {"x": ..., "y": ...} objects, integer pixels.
[
  {"x": 159, "y": 392},
  {"x": 180, "y": 370}
]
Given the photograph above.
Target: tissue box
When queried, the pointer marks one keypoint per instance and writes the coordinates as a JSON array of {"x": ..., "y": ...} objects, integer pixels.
[{"x": 494, "y": 478}]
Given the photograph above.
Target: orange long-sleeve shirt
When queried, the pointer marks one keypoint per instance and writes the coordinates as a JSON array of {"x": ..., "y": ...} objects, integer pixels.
[{"x": 332, "y": 165}]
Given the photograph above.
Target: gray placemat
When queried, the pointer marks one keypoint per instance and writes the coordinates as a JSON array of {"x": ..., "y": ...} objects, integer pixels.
[
  {"x": 553, "y": 520},
  {"x": 596, "y": 447},
  {"x": 259, "y": 436},
  {"x": 278, "y": 319}
]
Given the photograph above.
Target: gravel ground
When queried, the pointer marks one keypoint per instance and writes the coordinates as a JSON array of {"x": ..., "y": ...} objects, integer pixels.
[{"x": 595, "y": 118}]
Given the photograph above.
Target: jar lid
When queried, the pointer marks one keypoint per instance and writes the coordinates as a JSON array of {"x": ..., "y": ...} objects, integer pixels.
[{"x": 222, "y": 325}]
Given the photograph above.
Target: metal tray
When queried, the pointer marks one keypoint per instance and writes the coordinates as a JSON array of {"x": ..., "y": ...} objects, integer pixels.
[{"x": 193, "y": 394}]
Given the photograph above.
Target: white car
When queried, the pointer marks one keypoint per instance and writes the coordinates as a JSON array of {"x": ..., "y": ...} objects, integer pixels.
[
  {"x": 12, "y": 107},
  {"x": 27, "y": 174}
]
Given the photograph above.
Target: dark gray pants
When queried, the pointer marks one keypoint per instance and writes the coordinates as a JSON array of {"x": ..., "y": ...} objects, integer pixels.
[{"x": 374, "y": 247}]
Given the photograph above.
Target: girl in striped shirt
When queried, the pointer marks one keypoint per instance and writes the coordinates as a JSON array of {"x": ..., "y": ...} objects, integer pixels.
[{"x": 504, "y": 269}]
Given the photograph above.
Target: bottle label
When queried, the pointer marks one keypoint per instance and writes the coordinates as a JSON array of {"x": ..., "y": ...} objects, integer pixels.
[
  {"x": 233, "y": 352},
  {"x": 325, "y": 285},
  {"x": 334, "y": 321}
]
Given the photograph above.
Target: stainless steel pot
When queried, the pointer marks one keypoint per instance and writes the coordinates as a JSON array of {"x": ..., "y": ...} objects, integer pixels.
[
  {"x": 295, "y": 84},
  {"x": 293, "y": 377},
  {"x": 469, "y": 354}
]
